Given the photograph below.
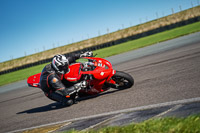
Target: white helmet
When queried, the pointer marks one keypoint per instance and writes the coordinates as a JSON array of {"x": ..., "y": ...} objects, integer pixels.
[{"x": 60, "y": 64}]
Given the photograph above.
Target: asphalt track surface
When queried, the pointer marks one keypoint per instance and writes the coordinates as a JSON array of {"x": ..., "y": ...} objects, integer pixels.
[{"x": 163, "y": 76}]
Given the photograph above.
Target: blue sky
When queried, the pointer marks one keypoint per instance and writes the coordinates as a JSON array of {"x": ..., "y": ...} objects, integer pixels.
[{"x": 31, "y": 26}]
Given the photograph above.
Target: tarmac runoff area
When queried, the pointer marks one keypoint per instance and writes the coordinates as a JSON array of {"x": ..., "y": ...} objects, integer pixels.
[
  {"x": 167, "y": 84},
  {"x": 180, "y": 108}
]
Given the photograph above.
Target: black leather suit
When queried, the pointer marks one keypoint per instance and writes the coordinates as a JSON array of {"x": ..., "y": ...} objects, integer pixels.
[{"x": 51, "y": 82}]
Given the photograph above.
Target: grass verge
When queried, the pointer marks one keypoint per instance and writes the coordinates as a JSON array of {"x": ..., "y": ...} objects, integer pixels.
[
  {"x": 190, "y": 124},
  {"x": 149, "y": 40},
  {"x": 20, "y": 75},
  {"x": 117, "y": 49}
]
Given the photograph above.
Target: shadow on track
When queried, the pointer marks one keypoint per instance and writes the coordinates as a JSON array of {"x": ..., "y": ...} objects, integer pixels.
[
  {"x": 57, "y": 105},
  {"x": 52, "y": 106}
]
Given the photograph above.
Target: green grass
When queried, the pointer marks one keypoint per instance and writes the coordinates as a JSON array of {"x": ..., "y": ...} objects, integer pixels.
[
  {"x": 190, "y": 124},
  {"x": 149, "y": 40},
  {"x": 117, "y": 49},
  {"x": 20, "y": 75}
]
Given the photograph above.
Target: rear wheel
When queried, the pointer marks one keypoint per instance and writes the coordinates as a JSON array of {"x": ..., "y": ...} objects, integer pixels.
[{"x": 122, "y": 80}]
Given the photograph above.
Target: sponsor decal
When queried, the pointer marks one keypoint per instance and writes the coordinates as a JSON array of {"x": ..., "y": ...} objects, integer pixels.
[
  {"x": 54, "y": 80},
  {"x": 71, "y": 78},
  {"x": 113, "y": 71},
  {"x": 102, "y": 73}
]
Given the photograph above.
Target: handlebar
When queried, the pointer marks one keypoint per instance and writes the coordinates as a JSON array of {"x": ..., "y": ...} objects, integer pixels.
[{"x": 88, "y": 66}]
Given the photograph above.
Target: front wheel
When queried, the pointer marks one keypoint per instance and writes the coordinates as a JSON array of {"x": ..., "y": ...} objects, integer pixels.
[{"x": 122, "y": 80}]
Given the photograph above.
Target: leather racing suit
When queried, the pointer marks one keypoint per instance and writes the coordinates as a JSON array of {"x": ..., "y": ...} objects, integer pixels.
[{"x": 52, "y": 85}]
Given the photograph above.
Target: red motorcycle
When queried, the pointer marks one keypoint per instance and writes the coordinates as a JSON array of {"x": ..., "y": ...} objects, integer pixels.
[{"x": 98, "y": 73}]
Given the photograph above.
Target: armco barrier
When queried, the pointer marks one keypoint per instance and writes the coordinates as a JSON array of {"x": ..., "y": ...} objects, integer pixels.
[{"x": 108, "y": 44}]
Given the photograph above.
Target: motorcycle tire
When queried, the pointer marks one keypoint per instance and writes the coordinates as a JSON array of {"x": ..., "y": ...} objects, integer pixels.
[{"x": 123, "y": 80}]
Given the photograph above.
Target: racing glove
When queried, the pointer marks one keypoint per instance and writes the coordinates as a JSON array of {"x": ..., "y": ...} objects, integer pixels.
[
  {"x": 87, "y": 54},
  {"x": 81, "y": 85},
  {"x": 76, "y": 88}
]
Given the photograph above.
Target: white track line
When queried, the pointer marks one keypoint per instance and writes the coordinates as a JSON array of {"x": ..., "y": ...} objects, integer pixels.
[
  {"x": 169, "y": 110},
  {"x": 117, "y": 112}
]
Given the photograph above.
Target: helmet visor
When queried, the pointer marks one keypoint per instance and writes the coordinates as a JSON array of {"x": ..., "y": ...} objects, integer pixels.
[{"x": 63, "y": 68}]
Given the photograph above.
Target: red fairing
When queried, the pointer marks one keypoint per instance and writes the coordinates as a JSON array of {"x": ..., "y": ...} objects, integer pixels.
[
  {"x": 34, "y": 80},
  {"x": 102, "y": 73},
  {"x": 74, "y": 73}
]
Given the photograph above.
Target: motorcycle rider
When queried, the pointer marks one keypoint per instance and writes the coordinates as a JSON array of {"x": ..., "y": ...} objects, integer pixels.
[{"x": 52, "y": 76}]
